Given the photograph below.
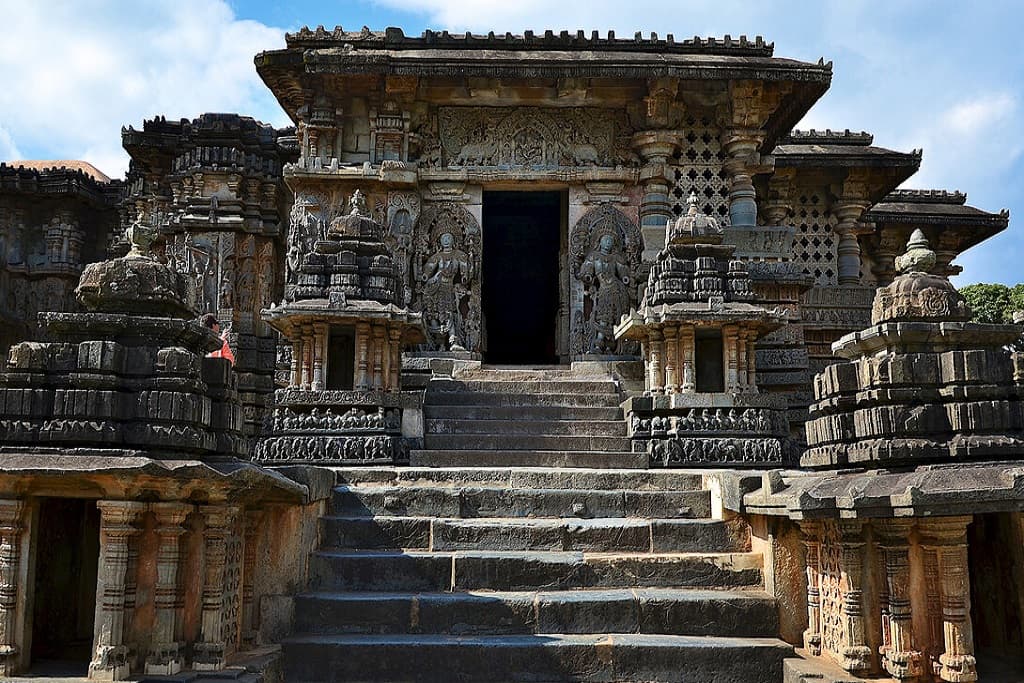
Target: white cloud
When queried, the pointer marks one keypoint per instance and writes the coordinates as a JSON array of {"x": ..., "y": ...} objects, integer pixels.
[
  {"x": 8, "y": 149},
  {"x": 973, "y": 116},
  {"x": 74, "y": 73}
]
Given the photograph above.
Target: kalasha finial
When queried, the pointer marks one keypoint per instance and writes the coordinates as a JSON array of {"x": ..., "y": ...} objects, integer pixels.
[
  {"x": 140, "y": 237},
  {"x": 919, "y": 257},
  {"x": 692, "y": 202}
]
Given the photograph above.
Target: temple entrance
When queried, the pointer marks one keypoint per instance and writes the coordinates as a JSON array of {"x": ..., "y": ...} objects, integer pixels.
[
  {"x": 520, "y": 294},
  {"x": 66, "y": 564}
]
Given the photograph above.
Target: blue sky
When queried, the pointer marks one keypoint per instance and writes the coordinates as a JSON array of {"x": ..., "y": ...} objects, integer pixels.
[{"x": 945, "y": 76}]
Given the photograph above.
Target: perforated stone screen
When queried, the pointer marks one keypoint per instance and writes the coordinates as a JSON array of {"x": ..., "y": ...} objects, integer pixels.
[
  {"x": 697, "y": 167},
  {"x": 815, "y": 245}
]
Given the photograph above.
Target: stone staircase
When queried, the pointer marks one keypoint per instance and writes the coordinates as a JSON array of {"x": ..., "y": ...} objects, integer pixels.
[
  {"x": 525, "y": 418},
  {"x": 531, "y": 574}
]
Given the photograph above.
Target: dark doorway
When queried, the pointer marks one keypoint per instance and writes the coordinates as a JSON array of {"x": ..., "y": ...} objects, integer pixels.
[
  {"x": 67, "y": 560},
  {"x": 710, "y": 365},
  {"x": 522, "y": 235}
]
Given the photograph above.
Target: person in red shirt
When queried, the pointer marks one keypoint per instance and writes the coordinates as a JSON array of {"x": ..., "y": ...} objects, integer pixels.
[{"x": 210, "y": 320}]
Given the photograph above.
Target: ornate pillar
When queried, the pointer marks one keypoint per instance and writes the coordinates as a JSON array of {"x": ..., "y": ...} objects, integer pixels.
[
  {"x": 751, "y": 362},
  {"x": 899, "y": 656},
  {"x": 319, "y": 356},
  {"x": 855, "y": 655},
  {"x": 307, "y": 357},
  {"x": 671, "y": 360},
  {"x": 296, "y": 367},
  {"x": 686, "y": 348},
  {"x": 165, "y": 648},
  {"x": 656, "y": 148},
  {"x": 730, "y": 359},
  {"x": 362, "y": 355},
  {"x": 848, "y": 251},
  {"x": 209, "y": 651},
  {"x": 741, "y": 145},
  {"x": 395, "y": 354},
  {"x": 947, "y": 536},
  {"x": 12, "y": 514},
  {"x": 379, "y": 335},
  {"x": 253, "y": 521},
  {"x": 110, "y": 653},
  {"x": 656, "y": 371},
  {"x": 741, "y": 359},
  {"x": 812, "y": 543}
]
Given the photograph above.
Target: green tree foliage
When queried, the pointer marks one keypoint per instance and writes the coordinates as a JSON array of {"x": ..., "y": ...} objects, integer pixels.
[{"x": 993, "y": 303}]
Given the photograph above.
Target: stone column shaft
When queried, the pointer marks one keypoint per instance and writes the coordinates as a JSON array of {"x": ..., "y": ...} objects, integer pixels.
[
  {"x": 657, "y": 378},
  {"x": 12, "y": 514},
  {"x": 900, "y": 658},
  {"x": 751, "y": 363},
  {"x": 395, "y": 364},
  {"x": 855, "y": 654},
  {"x": 362, "y": 355},
  {"x": 320, "y": 331},
  {"x": 686, "y": 344},
  {"x": 296, "y": 368},
  {"x": 253, "y": 521},
  {"x": 741, "y": 146},
  {"x": 848, "y": 250},
  {"x": 948, "y": 537},
  {"x": 210, "y": 650},
  {"x": 741, "y": 360},
  {"x": 110, "y": 661},
  {"x": 671, "y": 360},
  {"x": 812, "y": 542},
  {"x": 165, "y": 648},
  {"x": 730, "y": 359},
  {"x": 379, "y": 335}
]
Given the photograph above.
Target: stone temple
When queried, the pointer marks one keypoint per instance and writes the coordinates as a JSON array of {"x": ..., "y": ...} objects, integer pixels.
[{"x": 558, "y": 357}]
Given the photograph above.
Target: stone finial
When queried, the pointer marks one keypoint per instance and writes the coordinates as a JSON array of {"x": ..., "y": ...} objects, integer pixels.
[
  {"x": 141, "y": 237},
  {"x": 694, "y": 223},
  {"x": 919, "y": 257},
  {"x": 357, "y": 205},
  {"x": 916, "y": 295}
]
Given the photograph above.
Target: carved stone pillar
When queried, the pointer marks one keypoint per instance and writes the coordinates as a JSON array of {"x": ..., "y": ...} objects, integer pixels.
[
  {"x": 307, "y": 357},
  {"x": 899, "y": 657},
  {"x": 730, "y": 360},
  {"x": 812, "y": 542},
  {"x": 686, "y": 349},
  {"x": 741, "y": 359},
  {"x": 250, "y": 622},
  {"x": 12, "y": 514},
  {"x": 656, "y": 371},
  {"x": 319, "y": 356},
  {"x": 379, "y": 335},
  {"x": 741, "y": 146},
  {"x": 655, "y": 147},
  {"x": 751, "y": 362},
  {"x": 671, "y": 360},
  {"x": 395, "y": 354},
  {"x": 362, "y": 355},
  {"x": 855, "y": 654},
  {"x": 165, "y": 650},
  {"x": 296, "y": 366},
  {"x": 947, "y": 536},
  {"x": 209, "y": 651},
  {"x": 848, "y": 251},
  {"x": 110, "y": 661}
]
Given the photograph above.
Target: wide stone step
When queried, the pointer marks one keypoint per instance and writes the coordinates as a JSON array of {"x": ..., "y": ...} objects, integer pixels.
[
  {"x": 535, "y": 458},
  {"x": 499, "y": 398},
  {"x": 522, "y": 442},
  {"x": 528, "y": 427},
  {"x": 619, "y": 658},
  {"x": 525, "y": 477},
  {"x": 593, "y": 535},
  {"x": 649, "y": 610},
  {"x": 515, "y": 571},
  {"x": 499, "y": 501},
  {"x": 571, "y": 413},
  {"x": 526, "y": 386}
]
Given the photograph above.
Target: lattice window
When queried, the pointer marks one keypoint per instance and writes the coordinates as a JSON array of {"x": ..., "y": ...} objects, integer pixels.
[
  {"x": 697, "y": 168},
  {"x": 831, "y": 592},
  {"x": 815, "y": 245}
]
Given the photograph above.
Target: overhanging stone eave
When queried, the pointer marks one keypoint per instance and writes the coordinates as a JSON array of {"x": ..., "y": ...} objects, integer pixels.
[
  {"x": 909, "y": 333},
  {"x": 129, "y": 473}
]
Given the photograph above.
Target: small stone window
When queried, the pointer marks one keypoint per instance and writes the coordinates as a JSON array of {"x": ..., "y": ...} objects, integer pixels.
[
  {"x": 708, "y": 361},
  {"x": 341, "y": 354}
]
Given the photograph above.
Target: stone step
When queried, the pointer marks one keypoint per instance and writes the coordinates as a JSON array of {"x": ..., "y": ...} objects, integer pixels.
[
  {"x": 513, "y": 400},
  {"x": 590, "y": 535},
  {"x": 556, "y": 386},
  {"x": 500, "y": 501},
  {"x": 649, "y": 610},
  {"x": 569, "y": 413},
  {"x": 531, "y": 374},
  {"x": 522, "y": 442},
  {"x": 623, "y": 658},
  {"x": 494, "y": 458},
  {"x": 520, "y": 426},
  {"x": 525, "y": 477},
  {"x": 515, "y": 571}
]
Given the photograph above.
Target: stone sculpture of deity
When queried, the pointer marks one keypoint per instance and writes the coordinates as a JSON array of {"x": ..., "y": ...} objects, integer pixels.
[
  {"x": 447, "y": 275},
  {"x": 606, "y": 277}
]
